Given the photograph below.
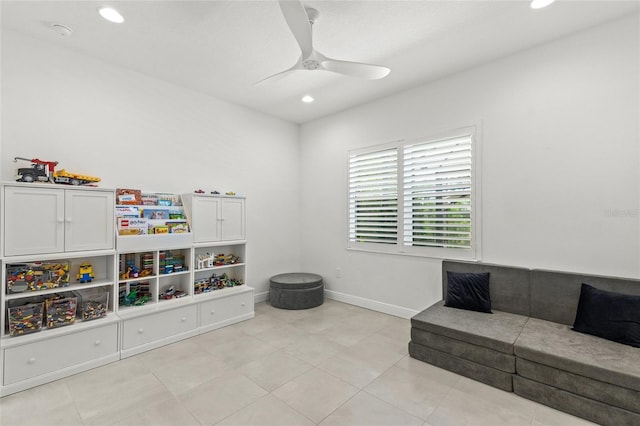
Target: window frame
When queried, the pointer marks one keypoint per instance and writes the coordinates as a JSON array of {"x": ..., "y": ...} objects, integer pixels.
[{"x": 399, "y": 248}]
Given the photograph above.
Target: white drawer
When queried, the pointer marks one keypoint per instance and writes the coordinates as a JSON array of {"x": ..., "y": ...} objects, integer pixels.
[
  {"x": 46, "y": 356},
  {"x": 222, "y": 309},
  {"x": 147, "y": 329}
]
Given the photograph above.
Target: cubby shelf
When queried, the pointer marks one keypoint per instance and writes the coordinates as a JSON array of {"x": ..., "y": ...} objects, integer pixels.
[{"x": 216, "y": 268}]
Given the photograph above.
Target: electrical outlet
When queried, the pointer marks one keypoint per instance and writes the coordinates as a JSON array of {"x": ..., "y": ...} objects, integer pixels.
[{"x": 338, "y": 272}]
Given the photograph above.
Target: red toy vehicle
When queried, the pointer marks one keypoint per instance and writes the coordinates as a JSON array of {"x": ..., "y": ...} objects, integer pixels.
[{"x": 44, "y": 171}]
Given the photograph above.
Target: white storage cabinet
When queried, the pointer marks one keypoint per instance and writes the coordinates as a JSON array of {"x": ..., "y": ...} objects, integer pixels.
[
  {"x": 216, "y": 217},
  {"x": 64, "y": 229},
  {"x": 218, "y": 224},
  {"x": 41, "y": 219}
]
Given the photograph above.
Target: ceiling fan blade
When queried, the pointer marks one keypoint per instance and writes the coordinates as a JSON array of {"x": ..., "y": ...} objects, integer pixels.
[
  {"x": 298, "y": 21},
  {"x": 356, "y": 69},
  {"x": 277, "y": 76}
]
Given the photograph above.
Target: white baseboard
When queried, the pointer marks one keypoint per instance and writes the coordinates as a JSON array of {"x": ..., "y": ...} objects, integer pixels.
[
  {"x": 261, "y": 297},
  {"x": 374, "y": 305}
]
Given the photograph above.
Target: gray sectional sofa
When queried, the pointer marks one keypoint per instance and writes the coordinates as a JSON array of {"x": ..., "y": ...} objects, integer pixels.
[{"x": 527, "y": 346}]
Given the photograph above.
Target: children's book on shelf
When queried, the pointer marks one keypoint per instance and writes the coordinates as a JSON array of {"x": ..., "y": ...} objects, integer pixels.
[{"x": 128, "y": 196}]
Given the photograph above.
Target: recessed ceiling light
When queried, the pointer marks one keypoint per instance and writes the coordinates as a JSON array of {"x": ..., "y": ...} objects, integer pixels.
[
  {"x": 307, "y": 99},
  {"x": 539, "y": 4},
  {"x": 111, "y": 14}
]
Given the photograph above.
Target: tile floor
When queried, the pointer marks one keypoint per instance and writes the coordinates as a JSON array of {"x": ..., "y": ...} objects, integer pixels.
[{"x": 333, "y": 365}]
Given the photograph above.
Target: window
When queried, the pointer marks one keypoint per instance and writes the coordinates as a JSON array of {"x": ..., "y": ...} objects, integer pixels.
[
  {"x": 418, "y": 197},
  {"x": 373, "y": 197}
]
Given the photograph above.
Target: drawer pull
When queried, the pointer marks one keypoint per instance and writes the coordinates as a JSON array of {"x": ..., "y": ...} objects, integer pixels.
[
  {"x": 184, "y": 319},
  {"x": 32, "y": 360},
  {"x": 213, "y": 311},
  {"x": 242, "y": 303},
  {"x": 97, "y": 342},
  {"x": 140, "y": 330}
]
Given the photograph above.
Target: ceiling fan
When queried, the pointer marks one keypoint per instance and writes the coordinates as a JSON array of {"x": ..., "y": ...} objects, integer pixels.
[{"x": 300, "y": 21}]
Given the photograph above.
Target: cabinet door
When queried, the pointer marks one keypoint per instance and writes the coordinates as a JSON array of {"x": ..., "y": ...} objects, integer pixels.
[
  {"x": 89, "y": 220},
  {"x": 206, "y": 219},
  {"x": 232, "y": 219},
  {"x": 34, "y": 221}
]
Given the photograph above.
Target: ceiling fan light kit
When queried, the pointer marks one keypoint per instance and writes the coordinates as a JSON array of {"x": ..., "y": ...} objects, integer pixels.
[{"x": 300, "y": 21}]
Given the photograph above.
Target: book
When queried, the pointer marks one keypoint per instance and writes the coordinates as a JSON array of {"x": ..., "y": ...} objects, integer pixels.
[
  {"x": 155, "y": 214},
  {"x": 128, "y": 196},
  {"x": 178, "y": 227},
  {"x": 132, "y": 226}
]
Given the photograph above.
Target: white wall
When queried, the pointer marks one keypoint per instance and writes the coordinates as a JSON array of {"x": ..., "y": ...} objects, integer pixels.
[
  {"x": 561, "y": 186},
  {"x": 134, "y": 131},
  {"x": 560, "y": 138}
]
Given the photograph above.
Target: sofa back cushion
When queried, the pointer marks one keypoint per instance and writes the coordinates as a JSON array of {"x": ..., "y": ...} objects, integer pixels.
[
  {"x": 509, "y": 286},
  {"x": 555, "y": 295}
]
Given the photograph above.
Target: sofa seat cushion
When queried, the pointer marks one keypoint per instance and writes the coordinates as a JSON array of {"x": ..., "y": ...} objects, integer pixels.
[
  {"x": 595, "y": 411},
  {"x": 464, "y": 350},
  {"x": 497, "y": 331},
  {"x": 556, "y": 345},
  {"x": 476, "y": 371},
  {"x": 589, "y": 388}
]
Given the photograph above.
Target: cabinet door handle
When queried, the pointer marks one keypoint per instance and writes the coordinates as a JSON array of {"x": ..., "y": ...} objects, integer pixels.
[
  {"x": 69, "y": 220},
  {"x": 213, "y": 311},
  {"x": 183, "y": 319},
  {"x": 242, "y": 303},
  {"x": 140, "y": 330},
  {"x": 97, "y": 342},
  {"x": 60, "y": 220},
  {"x": 32, "y": 360}
]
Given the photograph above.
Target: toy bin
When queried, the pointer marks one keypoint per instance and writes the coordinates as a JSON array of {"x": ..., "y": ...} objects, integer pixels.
[
  {"x": 61, "y": 311},
  {"x": 34, "y": 276},
  {"x": 25, "y": 319},
  {"x": 93, "y": 305}
]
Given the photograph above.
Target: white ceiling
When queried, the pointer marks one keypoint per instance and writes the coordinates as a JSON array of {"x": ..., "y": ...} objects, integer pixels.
[{"x": 223, "y": 47}]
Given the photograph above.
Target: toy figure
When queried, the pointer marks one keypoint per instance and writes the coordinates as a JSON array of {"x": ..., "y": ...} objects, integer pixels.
[
  {"x": 145, "y": 273},
  {"x": 142, "y": 300},
  {"x": 131, "y": 298},
  {"x": 132, "y": 272},
  {"x": 135, "y": 272},
  {"x": 85, "y": 274}
]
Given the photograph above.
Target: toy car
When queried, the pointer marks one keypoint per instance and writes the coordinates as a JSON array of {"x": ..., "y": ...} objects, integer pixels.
[{"x": 172, "y": 293}]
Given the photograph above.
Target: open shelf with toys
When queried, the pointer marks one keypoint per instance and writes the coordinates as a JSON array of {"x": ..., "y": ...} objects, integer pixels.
[
  {"x": 217, "y": 267},
  {"x": 50, "y": 292},
  {"x": 153, "y": 276}
]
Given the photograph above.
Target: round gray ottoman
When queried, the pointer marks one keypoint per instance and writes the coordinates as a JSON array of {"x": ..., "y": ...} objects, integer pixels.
[{"x": 296, "y": 290}]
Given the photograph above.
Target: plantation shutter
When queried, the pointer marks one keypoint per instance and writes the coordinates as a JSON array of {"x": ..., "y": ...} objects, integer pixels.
[
  {"x": 437, "y": 193},
  {"x": 373, "y": 197}
]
